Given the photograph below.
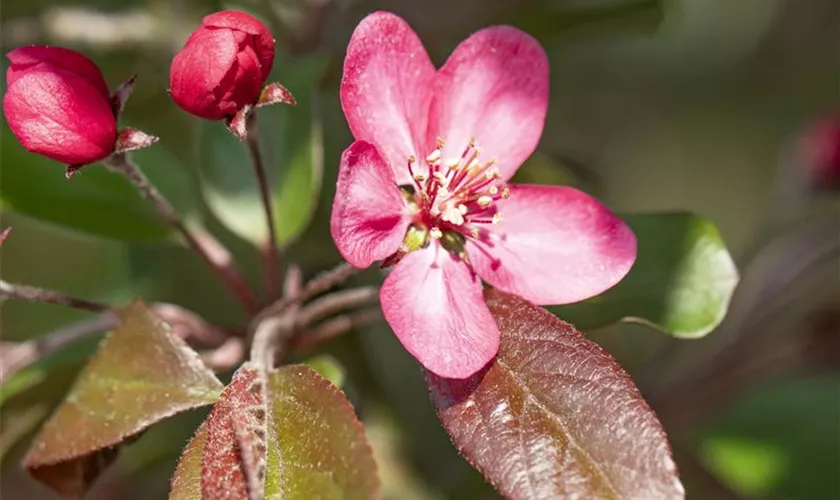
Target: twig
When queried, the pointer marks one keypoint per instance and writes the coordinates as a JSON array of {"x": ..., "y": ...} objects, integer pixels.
[
  {"x": 334, "y": 302},
  {"x": 34, "y": 294},
  {"x": 226, "y": 356},
  {"x": 19, "y": 356},
  {"x": 335, "y": 327},
  {"x": 185, "y": 324},
  {"x": 269, "y": 251},
  {"x": 208, "y": 248}
]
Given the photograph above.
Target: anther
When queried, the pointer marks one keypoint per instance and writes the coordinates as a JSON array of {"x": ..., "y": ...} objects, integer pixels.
[
  {"x": 505, "y": 193},
  {"x": 485, "y": 201},
  {"x": 453, "y": 162},
  {"x": 435, "y": 233},
  {"x": 434, "y": 156},
  {"x": 497, "y": 218},
  {"x": 463, "y": 209},
  {"x": 493, "y": 190}
]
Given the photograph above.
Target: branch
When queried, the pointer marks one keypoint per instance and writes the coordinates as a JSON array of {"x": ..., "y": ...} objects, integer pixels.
[
  {"x": 269, "y": 251},
  {"x": 335, "y": 327},
  {"x": 34, "y": 294},
  {"x": 208, "y": 248}
]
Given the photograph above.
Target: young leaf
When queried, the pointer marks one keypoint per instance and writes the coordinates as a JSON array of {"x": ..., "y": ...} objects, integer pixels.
[
  {"x": 290, "y": 141},
  {"x": 294, "y": 436},
  {"x": 554, "y": 416},
  {"x": 140, "y": 375},
  {"x": 681, "y": 283},
  {"x": 95, "y": 201}
]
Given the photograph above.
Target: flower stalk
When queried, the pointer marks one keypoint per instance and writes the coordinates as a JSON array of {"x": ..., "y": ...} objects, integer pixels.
[
  {"x": 269, "y": 250},
  {"x": 202, "y": 243},
  {"x": 35, "y": 294}
]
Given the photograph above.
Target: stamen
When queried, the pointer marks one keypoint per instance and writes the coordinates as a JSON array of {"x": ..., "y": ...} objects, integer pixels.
[
  {"x": 463, "y": 209},
  {"x": 453, "y": 162},
  {"x": 493, "y": 190},
  {"x": 485, "y": 201},
  {"x": 435, "y": 233},
  {"x": 434, "y": 157},
  {"x": 497, "y": 218},
  {"x": 505, "y": 193},
  {"x": 453, "y": 216}
]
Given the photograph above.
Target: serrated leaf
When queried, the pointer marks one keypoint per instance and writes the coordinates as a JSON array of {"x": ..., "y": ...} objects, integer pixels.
[
  {"x": 317, "y": 446},
  {"x": 329, "y": 368},
  {"x": 681, "y": 283},
  {"x": 293, "y": 437},
  {"x": 290, "y": 141},
  {"x": 95, "y": 201},
  {"x": 140, "y": 375},
  {"x": 554, "y": 416}
]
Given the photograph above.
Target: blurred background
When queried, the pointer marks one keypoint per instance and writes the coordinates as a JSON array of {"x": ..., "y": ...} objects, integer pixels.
[{"x": 698, "y": 105}]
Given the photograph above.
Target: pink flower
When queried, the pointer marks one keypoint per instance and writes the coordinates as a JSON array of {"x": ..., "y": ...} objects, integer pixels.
[
  {"x": 223, "y": 65},
  {"x": 424, "y": 186},
  {"x": 57, "y": 105},
  {"x": 820, "y": 152}
]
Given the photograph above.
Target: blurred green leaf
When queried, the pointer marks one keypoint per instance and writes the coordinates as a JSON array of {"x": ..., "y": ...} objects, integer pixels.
[
  {"x": 681, "y": 283},
  {"x": 547, "y": 19},
  {"x": 140, "y": 375},
  {"x": 95, "y": 201},
  {"x": 304, "y": 442},
  {"x": 329, "y": 368},
  {"x": 291, "y": 145},
  {"x": 780, "y": 441},
  {"x": 554, "y": 416}
]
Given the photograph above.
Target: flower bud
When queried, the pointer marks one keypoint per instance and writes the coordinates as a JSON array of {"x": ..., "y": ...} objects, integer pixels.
[
  {"x": 57, "y": 105},
  {"x": 223, "y": 65},
  {"x": 821, "y": 150}
]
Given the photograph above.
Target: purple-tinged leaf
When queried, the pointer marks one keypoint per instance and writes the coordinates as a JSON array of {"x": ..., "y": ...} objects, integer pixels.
[
  {"x": 294, "y": 437},
  {"x": 132, "y": 139},
  {"x": 231, "y": 460},
  {"x": 140, "y": 375},
  {"x": 554, "y": 416},
  {"x": 274, "y": 93}
]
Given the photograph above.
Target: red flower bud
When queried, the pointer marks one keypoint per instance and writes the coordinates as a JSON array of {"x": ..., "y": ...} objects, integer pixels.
[
  {"x": 57, "y": 105},
  {"x": 223, "y": 65},
  {"x": 821, "y": 148}
]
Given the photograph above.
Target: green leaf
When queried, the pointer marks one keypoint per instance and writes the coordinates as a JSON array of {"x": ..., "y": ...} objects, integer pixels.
[
  {"x": 140, "y": 375},
  {"x": 291, "y": 145},
  {"x": 294, "y": 436},
  {"x": 554, "y": 416},
  {"x": 186, "y": 482},
  {"x": 681, "y": 283},
  {"x": 94, "y": 201},
  {"x": 779, "y": 441},
  {"x": 329, "y": 368},
  {"x": 329, "y": 460}
]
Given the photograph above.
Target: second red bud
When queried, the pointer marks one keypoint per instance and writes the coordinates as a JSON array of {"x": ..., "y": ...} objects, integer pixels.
[{"x": 223, "y": 65}]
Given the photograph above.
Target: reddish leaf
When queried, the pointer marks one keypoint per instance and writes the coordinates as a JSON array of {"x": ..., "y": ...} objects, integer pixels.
[
  {"x": 140, "y": 375},
  {"x": 306, "y": 442},
  {"x": 554, "y": 416},
  {"x": 274, "y": 93},
  {"x": 132, "y": 139},
  {"x": 235, "y": 449}
]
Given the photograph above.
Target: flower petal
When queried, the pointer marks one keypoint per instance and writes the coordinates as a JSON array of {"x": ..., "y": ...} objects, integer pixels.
[
  {"x": 436, "y": 308},
  {"x": 555, "y": 245},
  {"x": 24, "y": 59},
  {"x": 198, "y": 69},
  {"x": 369, "y": 217},
  {"x": 386, "y": 89},
  {"x": 494, "y": 88},
  {"x": 60, "y": 115},
  {"x": 263, "y": 43}
]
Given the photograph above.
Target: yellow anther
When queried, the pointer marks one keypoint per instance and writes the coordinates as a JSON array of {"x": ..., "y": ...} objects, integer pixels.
[
  {"x": 497, "y": 218},
  {"x": 493, "y": 190},
  {"x": 433, "y": 157},
  {"x": 505, "y": 193},
  {"x": 412, "y": 158},
  {"x": 435, "y": 233},
  {"x": 485, "y": 201},
  {"x": 453, "y": 162},
  {"x": 463, "y": 209},
  {"x": 440, "y": 143}
]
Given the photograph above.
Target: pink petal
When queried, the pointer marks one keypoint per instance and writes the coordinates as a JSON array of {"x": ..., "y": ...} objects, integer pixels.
[
  {"x": 60, "y": 115},
  {"x": 387, "y": 88},
  {"x": 369, "y": 217},
  {"x": 24, "y": 59},
  {"x": 198, "y": 69},
  {"x": 264, "y": 40},
  {"x": 436, "y": 308},
  {"x": 555, "y": 245},
  {"x": 242, "y": 84},
  {"x": 494, "y": 88}
]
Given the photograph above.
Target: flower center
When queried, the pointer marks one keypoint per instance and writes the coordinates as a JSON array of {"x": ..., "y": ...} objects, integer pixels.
[{"x": 454, "y": 200}]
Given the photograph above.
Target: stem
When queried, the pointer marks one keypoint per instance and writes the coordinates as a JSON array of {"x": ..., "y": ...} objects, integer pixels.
[
  {"x": 33, "y": 294},
  {"x": 335, "y": 327},
  {"x": 19, "y": 356},
  {"x": 208, "y": 248},
  {"x": 269, "y": 251}
]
